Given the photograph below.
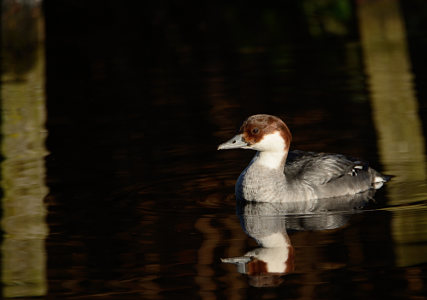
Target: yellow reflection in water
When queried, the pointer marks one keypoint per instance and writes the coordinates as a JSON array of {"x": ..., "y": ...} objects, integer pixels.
[
  {"x": 394, "y": 104},
  {"x": 395, "y": 111},
  {"x": 22, "y": 147}
]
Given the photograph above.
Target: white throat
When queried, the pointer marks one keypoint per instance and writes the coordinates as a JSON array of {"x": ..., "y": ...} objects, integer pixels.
[
  {"x": 271, "y": 151},
  {"x": 271, "y": 160},
  {"x": 274, "y": 240}
]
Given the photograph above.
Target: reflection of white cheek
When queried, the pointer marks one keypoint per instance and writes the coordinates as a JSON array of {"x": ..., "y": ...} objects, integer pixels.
[{"x": 275, "y": 258}]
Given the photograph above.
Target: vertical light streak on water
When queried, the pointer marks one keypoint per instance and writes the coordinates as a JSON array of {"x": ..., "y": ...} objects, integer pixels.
[
  {"x": 395, "y": 112},
  {"x": 23, "y": 114}
]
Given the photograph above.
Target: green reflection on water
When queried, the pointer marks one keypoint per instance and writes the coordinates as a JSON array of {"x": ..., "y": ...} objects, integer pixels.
[
  {"x": 399, "y": 128},
  {"x": 23, "y": 151},
  {"x": 410, "y": 234}
]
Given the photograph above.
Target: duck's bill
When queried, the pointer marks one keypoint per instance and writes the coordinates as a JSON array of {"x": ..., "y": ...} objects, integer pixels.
[{"x": 234, "y": 143}]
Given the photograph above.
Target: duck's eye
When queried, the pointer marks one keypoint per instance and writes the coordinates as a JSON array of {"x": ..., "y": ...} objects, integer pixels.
[{"x": 255, "y": 130}]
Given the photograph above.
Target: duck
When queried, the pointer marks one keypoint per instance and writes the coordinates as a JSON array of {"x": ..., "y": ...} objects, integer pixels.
[{"x": 278, "y": 175}]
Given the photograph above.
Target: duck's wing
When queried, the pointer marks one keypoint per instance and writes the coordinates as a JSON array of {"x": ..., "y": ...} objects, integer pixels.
[{"x": 321, "y": 168}]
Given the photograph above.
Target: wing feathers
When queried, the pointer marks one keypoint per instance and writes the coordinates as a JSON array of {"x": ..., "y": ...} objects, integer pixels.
[{"x": 321, "y": 168}]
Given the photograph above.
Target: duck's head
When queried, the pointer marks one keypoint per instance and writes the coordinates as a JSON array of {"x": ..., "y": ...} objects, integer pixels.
[{"x": 264, "y": 133}]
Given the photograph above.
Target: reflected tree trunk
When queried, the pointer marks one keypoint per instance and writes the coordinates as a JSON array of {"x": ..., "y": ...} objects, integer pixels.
[
  {"x": 395, "y": 111},
  {"x": 23, "y": 115}
]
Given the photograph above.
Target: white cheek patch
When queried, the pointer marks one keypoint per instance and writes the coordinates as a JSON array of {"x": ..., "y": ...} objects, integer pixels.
[
  {"x": 271, "y": 142},
  {"x": 272, "y": 150}
]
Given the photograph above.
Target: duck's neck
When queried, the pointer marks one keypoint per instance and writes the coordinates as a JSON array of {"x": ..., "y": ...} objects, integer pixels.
[
  {"x": 272, "y": 159},
  {"x": 275, "y": 240}
]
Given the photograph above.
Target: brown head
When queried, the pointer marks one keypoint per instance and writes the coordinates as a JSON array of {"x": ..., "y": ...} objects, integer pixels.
[
  {"x": 257, "y": 126},
  {"x": 256, "y": 133}
]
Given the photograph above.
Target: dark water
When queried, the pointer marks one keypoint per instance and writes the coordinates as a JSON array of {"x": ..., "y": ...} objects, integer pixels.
[{"x": 138, "y": 202}]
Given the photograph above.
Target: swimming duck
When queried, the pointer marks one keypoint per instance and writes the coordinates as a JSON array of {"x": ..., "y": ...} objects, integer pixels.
[{"x": 276, "y": 174}]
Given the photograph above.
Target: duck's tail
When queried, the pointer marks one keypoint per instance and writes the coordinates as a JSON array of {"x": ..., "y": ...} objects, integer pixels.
[{"x": 379, "y": 179}]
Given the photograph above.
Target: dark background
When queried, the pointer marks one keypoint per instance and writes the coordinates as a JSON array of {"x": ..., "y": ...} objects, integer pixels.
[{"x": 138, "y": 96}]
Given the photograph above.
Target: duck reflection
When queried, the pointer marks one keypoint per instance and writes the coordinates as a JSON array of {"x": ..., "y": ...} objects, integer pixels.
[{"x": 269, "y": 224}]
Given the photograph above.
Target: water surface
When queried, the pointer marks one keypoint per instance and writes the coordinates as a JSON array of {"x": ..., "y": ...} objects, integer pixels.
[{"x": 134, "y": 201}]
